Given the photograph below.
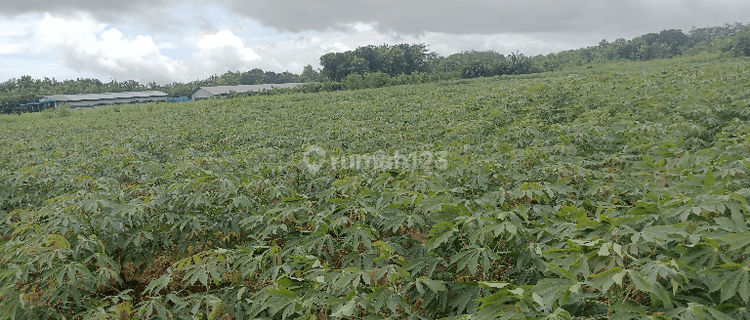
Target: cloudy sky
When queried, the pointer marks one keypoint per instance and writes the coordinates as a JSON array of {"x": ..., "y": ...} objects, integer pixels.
[{"x": 170, "y": 40}]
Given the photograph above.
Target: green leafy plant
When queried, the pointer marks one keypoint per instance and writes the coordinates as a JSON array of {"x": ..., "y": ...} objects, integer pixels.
[{"x": 619, "y": 192}]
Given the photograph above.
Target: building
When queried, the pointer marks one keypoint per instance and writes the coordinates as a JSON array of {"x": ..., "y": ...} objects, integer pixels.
[
  {"x": 97, "y": 99},
  {"x": 207, "y": 92},
  {"x": 180, "y": 99}
]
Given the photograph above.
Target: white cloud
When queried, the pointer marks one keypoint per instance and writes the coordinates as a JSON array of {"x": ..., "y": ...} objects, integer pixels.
[
  {"x": 16, "y": 66},
  {"x": 294, "y": 54},
  {"x": 223, "y": 51},
  {"x": 87, "y": 45},
  {"x": 15, "y": 33},
  {"x": 10, "y": 46}
]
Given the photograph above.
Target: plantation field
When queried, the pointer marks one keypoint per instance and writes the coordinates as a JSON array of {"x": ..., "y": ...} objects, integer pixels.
[{"x": 616, "y": 191}]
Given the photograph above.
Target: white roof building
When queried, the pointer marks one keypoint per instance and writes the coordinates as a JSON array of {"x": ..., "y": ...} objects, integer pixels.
[
  {"x": 207, "y": 92},
  {"x": 95, "y": 99}
]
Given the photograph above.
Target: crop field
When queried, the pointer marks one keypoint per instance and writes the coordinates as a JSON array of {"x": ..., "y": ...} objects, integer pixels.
[{"x": 618, "y": 191}]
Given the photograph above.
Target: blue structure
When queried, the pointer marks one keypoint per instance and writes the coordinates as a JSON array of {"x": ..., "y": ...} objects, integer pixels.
[
  {"x": 40, "y": 105},
  {"x": 180, "y": 99}
]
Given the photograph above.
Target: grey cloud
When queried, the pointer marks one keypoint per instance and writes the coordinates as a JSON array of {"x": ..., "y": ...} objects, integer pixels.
[
  {"x": 155, "y": 14},
  {"x": 490, "y": 17},
  {"x": 417, "y": 16},
  {"x": 96, "y": 7}
]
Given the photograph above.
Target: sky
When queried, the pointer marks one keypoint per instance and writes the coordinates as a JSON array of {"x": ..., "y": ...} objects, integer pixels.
[{"x": 167, "y": 41}]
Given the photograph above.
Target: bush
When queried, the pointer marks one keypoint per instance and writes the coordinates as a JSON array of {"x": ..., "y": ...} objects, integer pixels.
[
  {"x": 376, "y": 79},
  {"x": 353, "y": 81},
  {"x": 63, "y": 111},
  {"x": 325, "y": 86}
]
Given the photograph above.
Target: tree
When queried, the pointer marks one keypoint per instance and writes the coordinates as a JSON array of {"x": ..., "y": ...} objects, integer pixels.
[
  {"x": 707, "y": 34},
  {"x": 739, "y": 44},
  {"x": 231, "y": 78},
  {"x": 392, "y": 60},
  {"x": 254, "y": 76},
  {"x": 332, "y": 64},
  {"x": 287, "y": 77},
  {"x": 270, "y": 77},
  {"x": 309, "y": 74},
  {"x": 625, "y": 49},
  {"x": 674, "y": 39}
]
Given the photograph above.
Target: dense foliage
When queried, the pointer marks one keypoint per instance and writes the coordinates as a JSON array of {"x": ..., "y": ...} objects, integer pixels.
[
  {"x": 739, "y": 45},
  {"x": 390, "y": 60},
  {"x": 663, "y": 45},
  {"x": 618, "y": 192}
]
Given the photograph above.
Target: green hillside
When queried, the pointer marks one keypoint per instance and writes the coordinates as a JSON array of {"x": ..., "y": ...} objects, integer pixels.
[{"x": 611, "y": 191}]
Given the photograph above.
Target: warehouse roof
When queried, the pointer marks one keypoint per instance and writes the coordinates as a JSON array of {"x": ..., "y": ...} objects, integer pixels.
[
  {"x": 103, "y": 96},
  {"x": 246, "y": 88}
]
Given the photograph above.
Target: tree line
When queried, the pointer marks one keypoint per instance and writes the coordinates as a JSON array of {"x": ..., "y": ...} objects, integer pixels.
[
  {"x": 377, "y": 66},
  {"x": 15, "y": 92}
]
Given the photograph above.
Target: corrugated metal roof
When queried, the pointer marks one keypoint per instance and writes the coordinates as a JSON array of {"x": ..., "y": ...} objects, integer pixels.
[
  {"x": 105, "y": 96},
  {"x": 246, "y": 88}
]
